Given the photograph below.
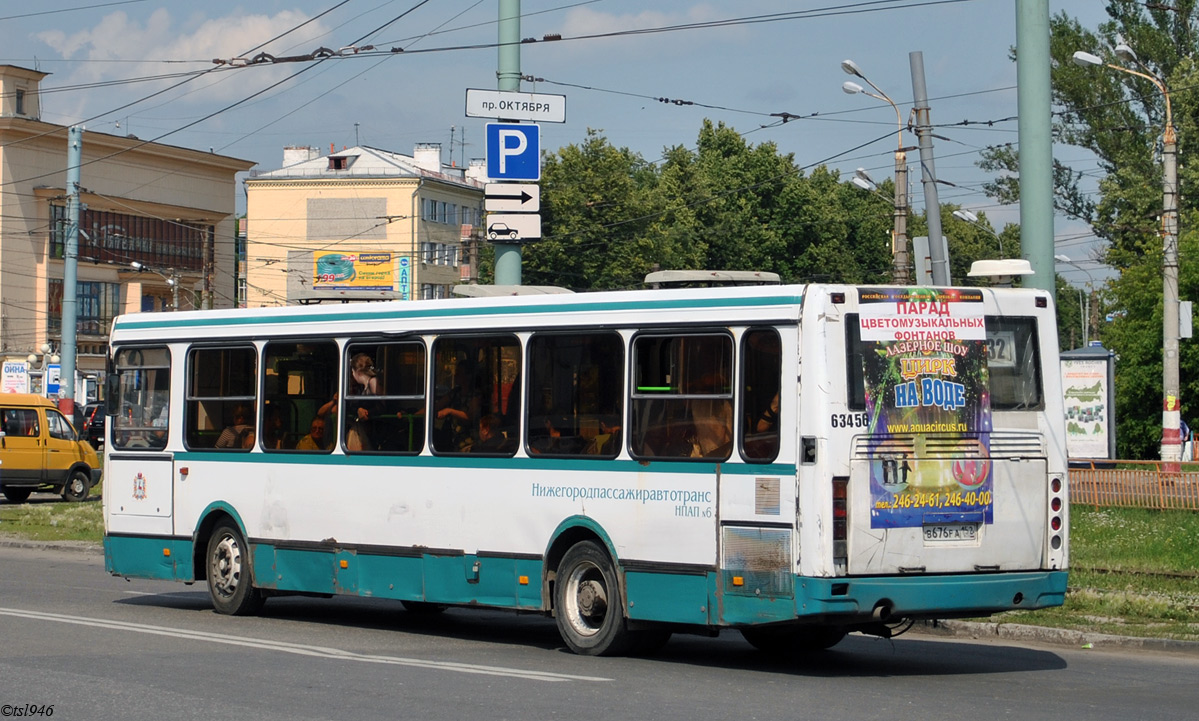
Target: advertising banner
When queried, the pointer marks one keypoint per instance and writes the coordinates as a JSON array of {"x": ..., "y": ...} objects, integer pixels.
[
  {"x": 16, "y": 377},
  {"x": 335, "y": 270},
  {"x": 1084, "y": 383},
  {"x": 924, "y": 355}
]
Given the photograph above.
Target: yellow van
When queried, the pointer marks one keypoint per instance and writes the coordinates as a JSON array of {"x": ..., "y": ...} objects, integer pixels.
[{"x": 39, "y": 449}]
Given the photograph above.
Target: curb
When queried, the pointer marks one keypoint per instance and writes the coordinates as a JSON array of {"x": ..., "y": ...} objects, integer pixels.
[
  {"x": 1055, "y": 636},
  {"x": 76, "y": 546}
]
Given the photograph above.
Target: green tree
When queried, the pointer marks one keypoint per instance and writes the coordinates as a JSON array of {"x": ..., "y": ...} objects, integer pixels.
[
  {"x": 595, "y": 209},
  {"x": 1120, "y": 117}
]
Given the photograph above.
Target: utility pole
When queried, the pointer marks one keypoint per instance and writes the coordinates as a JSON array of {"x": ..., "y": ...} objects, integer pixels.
[
  {"x": 70, "y": 257},
  {"x": 1036, "y": 141},
  {"x": 1171, "y": 450},
  {"x": 508, "y": 255},
  {"x": 928, "y": 172},
  {"x": 899, "y": 244}
]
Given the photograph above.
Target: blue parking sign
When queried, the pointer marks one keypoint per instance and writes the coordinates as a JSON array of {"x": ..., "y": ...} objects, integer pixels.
[{"x": 513, "y": 151}]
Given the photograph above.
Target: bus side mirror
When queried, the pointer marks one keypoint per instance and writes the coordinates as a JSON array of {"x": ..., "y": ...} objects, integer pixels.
[{"x": 112, "y": 389}]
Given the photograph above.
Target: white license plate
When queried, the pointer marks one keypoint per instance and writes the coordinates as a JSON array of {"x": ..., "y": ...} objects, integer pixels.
[{"x": 950, "y": 532}]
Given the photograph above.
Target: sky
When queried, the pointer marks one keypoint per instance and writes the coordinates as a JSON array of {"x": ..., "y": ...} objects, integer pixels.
[{"x": 735, "y": 62}]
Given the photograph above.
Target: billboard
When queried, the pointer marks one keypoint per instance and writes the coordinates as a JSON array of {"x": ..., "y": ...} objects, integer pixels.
[{"x": 338, "y": 270}]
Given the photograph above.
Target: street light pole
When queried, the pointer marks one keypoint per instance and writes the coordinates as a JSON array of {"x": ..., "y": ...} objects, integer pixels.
[
  {"x": 1085, "y": 309},
  {"x": 1171, "y": 445},
  {"x": 899, "y": 234},
  {"x": 972, "y": 219}
]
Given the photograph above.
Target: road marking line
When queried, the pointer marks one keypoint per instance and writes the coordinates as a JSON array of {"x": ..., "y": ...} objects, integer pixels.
[{"x": 298, "y": 649}]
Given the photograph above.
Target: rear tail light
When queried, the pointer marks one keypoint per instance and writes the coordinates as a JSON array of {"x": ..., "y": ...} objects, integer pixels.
[
  {"x": 1056, "y": 510},
  {"x": 840, "y": 523}
]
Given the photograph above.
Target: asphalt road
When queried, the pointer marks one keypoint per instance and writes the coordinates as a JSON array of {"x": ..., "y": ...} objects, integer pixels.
[{"x": 98, "y": 647}]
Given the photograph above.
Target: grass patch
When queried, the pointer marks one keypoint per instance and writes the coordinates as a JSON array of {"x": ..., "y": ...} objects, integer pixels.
[
  {"x": 1133, "y": 572},
  {"x": 54, "y": 521}
]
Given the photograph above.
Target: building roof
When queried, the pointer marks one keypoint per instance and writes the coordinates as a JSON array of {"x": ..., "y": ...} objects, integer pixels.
[{"x": 360, "y": 162}]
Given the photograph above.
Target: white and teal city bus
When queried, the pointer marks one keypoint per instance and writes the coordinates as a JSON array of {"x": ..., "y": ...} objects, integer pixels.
[{"x": 794, "y": 462}]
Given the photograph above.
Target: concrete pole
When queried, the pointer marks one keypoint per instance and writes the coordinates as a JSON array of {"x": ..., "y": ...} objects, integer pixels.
[
  {"x": 1171, "y": 451},
  {"x": 70, "y": 257},
  {"x": 508, "y": 255},
  {"x": 1036, "y": 142},
  {"x": 928, "y": 171},
  {"x": 899, "y": 244}
]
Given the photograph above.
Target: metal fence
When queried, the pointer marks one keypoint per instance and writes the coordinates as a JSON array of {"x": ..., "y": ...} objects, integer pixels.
[{"x": 1133, "y": 484}]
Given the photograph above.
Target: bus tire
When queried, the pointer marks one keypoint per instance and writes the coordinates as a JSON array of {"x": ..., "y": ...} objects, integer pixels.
[
  {"x": 78, "y": 485},
  {"x": 230, "y": 578},
  {"x": 793, "y": 639},
  {"x": 587, "y": 604}
]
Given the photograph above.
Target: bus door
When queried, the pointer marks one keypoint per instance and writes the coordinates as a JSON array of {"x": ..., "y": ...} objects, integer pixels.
[
  {"x": 937, "y": 483},
  {"x": 139, "y": 470}
]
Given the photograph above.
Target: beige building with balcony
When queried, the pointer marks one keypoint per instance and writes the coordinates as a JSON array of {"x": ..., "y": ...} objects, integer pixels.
[
  {"x": 359, "y": 224},
  {"x": 166, "y": 208}
]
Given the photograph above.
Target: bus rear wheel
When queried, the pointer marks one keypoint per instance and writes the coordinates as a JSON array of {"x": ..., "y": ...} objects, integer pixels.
[
  {"x": 587, "y": 603},
  {"x": 793, "y": 639},
  {"x": 230, "y": 580}
]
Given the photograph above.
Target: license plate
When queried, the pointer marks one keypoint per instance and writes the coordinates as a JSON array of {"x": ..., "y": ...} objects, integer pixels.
[{"x": 950, "y": 532}]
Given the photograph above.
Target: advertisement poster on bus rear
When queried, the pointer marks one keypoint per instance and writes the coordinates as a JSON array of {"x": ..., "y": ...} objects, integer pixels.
[{"x": 924, "y": 354}]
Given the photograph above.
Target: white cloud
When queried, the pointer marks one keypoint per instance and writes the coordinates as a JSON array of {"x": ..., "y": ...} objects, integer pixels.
[{"x": 160, "y": 37}]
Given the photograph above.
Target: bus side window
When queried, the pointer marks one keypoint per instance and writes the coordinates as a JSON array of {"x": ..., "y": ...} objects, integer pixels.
[
  {"x": 143, "y": 393},
  {"x": 761, "y": 400},
  {"x": 384, "y": 398},
  {"x": 575, "y": 399},
  {"x": 298, "y": 379},
  {"x": 222, "y": 397},
  {"x": 682, "y": 396},
  {"x": 476, "y": 377}
]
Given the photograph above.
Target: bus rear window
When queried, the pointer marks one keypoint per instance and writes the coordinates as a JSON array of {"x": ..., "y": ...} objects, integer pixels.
[{"x": 1013, "y": 361}]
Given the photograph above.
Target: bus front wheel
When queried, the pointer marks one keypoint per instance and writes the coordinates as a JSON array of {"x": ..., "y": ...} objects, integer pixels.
[
  {"x": 587, "y": 603},
  {"x": 230, "y": 580}
]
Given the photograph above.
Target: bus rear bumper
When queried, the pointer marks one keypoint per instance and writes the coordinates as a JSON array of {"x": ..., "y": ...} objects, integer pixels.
[{"x": 850, "y": 600}]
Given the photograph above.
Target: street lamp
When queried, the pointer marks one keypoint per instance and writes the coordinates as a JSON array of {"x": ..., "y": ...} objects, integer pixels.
[
  {"x": 899, "y": 236},
  {"x": 1171, "y": 446},
  {"x": 172, "y": 280},
  {"x": 972, "y": 219},
  {"x": 1084, "y": 308}
]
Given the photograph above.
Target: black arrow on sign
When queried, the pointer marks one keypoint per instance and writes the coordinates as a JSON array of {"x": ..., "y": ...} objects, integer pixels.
[{"x": 523, "y": 197}]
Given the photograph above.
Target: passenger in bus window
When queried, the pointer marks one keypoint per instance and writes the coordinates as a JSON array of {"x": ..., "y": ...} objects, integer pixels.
[
  {"x": 233, "y": 436},
  {"x": 552, "y": 441},
  {"x": 713, "y": 420},
  {"x": 769, "y": 420},
  {"x": 364, "y": 380},
  {"x": 607, "y": 441},
  {"x": 275, "y": 430},
  {"x": 315, "y": 440},
  {"x": 491, "y": 440}
]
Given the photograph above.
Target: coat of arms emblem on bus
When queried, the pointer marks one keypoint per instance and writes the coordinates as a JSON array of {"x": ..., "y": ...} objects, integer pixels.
[
  {"x": 139, "y": 487},
  {"x": 924, "y": 354}
]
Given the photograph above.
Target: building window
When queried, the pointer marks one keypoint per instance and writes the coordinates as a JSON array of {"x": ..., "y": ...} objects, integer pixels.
[
  {"x": 120, "y": 239},
  {"x": 20, "y": 102},
  {"x": 96, "y": 305}
]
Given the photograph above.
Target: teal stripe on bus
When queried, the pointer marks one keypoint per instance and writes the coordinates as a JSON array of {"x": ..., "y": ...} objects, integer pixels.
[
  {"x": 163, "y": 321},
  {"x": 491, "y": 463}
]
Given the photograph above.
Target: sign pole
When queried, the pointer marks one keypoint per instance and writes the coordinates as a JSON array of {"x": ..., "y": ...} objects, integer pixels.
[{"x": 508, "y": 255}]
